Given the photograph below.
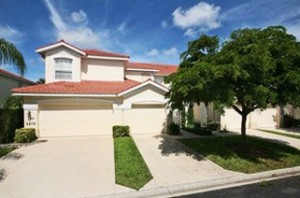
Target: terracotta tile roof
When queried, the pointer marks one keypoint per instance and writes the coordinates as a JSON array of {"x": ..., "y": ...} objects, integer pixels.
[
  {"x": 14, "y": 76},
  {"x": 83, "y": 87},
  {"x": 163, "y": 68},
  {"x": 93, "y": 52}
]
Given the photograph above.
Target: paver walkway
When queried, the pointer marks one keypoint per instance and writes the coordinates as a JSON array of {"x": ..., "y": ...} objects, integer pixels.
[{"x": 60, "y": 167}]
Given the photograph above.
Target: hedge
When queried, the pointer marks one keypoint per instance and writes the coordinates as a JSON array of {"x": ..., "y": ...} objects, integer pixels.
[
  {"x": 10, "y": 120},
  {"x": 120, "y": 131},
  {"x": 25, "y": 135}
]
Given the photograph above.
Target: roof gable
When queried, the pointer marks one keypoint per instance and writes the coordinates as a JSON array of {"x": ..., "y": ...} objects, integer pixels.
[{"x": 89, "y": 53}]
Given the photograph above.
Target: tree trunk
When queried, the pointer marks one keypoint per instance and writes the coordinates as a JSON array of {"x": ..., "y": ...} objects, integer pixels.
[{"x": 243, "y": 127}]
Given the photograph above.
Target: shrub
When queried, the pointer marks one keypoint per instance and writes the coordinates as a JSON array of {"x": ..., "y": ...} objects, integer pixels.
[
  {"x": 213, "y": 126},
  {"x": 120, "y": 131},
  {"x": 197, "y": 129},
  {"x": 10, "y": 120},
  {"x": 25, "y": 135},
  {"x": 174, "y": 129},
  {"x": 289, "y": 121}
]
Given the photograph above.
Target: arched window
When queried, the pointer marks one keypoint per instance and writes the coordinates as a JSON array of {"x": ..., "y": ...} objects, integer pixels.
[{"x": 63, "y": 69}]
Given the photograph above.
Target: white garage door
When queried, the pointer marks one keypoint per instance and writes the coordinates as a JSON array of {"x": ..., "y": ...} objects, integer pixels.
[
  {"x": 263, "y": 119},
  {"x": 75, "y": 120},
  {"x": 257, "y": 119},
  {"x": 146, "y": 119}
]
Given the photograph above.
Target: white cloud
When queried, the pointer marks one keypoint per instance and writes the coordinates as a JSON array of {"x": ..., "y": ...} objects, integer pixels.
[
  {"x": 10, "y": 34},
  {"x": 171, "y": 52},
  {"x": 153, "y": 52},
  {"x": 79, "y": 16},
  {"x": 294, "y": 29},
  {"x": 202, "y": 16},
  {"x": 190, "y": 32},
  {"x": 164, "y": 24},
  {"x": 79, "y": 35}
]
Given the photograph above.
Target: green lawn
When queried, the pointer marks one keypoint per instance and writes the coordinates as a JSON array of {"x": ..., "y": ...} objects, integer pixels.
[
  {"x": 5, "y": 150},
  {"x": 250, "y": 156},
  {"x": 130, "y": 167},
  {"x": 283, "y": 134}
]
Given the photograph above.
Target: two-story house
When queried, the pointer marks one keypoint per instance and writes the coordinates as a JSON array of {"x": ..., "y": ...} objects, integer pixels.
[{"x": 88, "y": 91}]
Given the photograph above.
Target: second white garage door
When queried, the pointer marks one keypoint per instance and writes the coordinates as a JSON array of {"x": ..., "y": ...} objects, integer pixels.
[
  {"x": 146, "y": 119},
  {"x": 75, "y": 120}
]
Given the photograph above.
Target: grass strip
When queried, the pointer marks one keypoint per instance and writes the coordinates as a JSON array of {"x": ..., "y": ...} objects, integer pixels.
[
  {"x": 130, "y": 167},
  {"x": 249, "y": 155},
  {"x": 5, "y": 150},
  {"x": 283, "y": 134}
]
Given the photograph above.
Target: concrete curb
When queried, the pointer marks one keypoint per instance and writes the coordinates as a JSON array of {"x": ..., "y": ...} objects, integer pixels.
[{"x": 203, "y": 186}]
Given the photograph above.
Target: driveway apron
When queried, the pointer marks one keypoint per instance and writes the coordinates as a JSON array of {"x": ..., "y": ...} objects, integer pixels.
[
  {"x": 60, "y": 167},
  {"x": 171, "y": 163}
]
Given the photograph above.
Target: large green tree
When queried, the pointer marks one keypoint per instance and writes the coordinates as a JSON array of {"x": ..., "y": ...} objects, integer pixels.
[
  {"x": 9, "y": 54},
  {"x": 254, "y": 68}
]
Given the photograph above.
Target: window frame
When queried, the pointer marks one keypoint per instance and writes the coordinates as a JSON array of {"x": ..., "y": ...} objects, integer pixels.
[{"x": 69, "y": 70}]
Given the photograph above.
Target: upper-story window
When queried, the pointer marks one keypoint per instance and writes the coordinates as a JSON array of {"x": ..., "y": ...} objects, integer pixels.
[{"x": 63, "y": 69}]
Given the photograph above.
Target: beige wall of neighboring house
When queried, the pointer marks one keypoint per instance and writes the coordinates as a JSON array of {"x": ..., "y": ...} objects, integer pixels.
[
  {"x": 8, "y": 81},
  {"x": 295, "y": 112},
  {"x": 231, "y": 120}
]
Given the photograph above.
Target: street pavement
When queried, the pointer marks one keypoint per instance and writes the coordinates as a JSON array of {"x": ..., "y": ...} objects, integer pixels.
[{"x": 283, "y": 188}]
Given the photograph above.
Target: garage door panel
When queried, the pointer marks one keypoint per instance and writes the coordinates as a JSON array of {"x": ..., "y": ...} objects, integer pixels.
[
  {"x": 146, "y": 120},
  {"x": 75, "y": 120}
]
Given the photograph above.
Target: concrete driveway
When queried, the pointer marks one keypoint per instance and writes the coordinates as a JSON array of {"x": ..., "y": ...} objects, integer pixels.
[
  {"x": 171, "y": 163},
  {"x": 60, "y": 167}
]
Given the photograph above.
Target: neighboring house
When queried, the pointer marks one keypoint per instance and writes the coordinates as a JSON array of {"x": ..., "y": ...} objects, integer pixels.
[
  {"x": 8, "y": 81},
  {"x": 231, "y": 120},
  {"x": 89, "y": 91}
]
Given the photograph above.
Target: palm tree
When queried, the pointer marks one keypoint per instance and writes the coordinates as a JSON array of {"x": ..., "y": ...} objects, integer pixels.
[{"x": 9, "y": 54}]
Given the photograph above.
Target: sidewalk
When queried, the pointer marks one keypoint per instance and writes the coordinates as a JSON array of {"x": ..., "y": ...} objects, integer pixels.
[{"x": 283, "y": 139}]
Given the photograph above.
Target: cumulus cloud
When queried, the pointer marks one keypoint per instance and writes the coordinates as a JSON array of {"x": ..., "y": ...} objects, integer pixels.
[
  {"x": 10, "y": 34},
  {"x": 153, "y": 52},
  {"x": 202, "y": 16},
  {"x": 79, "y": 16},
  {"x": 170, "y": 52},
  {"x": 80, "y": 35}
]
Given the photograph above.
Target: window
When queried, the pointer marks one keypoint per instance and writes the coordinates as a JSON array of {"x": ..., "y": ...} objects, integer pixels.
[{"x": 63, "y": 69}]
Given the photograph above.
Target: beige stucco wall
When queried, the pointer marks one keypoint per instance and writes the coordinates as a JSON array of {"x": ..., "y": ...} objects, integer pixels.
[
  {"x": 106, "y": 70},
  {"x": 6, "y": 84},
  {"x": 139, "y": 76},
  {"x": 62, "y": 52},
  {"x": 289, "y": 109},
  {"x": 147, "y": 95}
]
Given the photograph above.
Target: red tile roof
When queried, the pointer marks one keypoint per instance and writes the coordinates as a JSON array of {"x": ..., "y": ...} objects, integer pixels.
[
  {"x": 93, "y": 52},
  {"x": 163, "y": 68},
  {"x": 14, "y": 76},
  {"x": 83, "y": 87}
]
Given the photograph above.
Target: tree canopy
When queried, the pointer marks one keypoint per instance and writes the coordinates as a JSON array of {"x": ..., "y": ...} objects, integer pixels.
[
  {"x": 252, "y": 69},
  {"x": 9, "y": 54}
]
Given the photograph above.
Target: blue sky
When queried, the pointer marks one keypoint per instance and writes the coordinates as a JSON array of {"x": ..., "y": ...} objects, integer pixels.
[{"x": 149, "y": 31}]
